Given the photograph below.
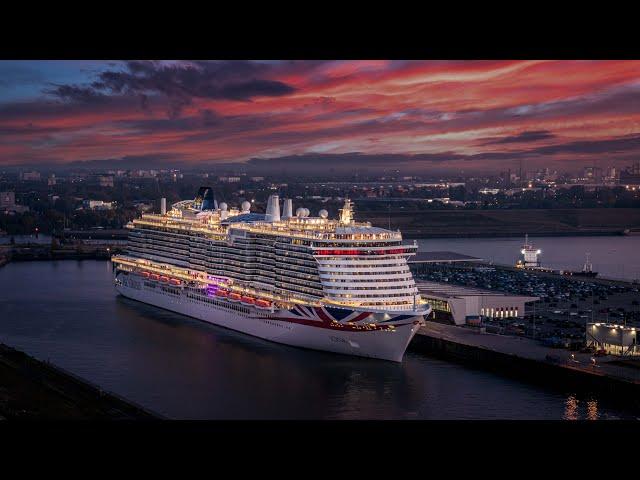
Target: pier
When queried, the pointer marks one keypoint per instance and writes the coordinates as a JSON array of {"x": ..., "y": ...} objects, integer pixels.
[{"x": 530, "y": 361}]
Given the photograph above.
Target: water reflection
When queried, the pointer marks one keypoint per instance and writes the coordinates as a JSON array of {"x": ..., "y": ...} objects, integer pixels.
[
  {"x": 592, "y": 410},
  {"x": 571, "y": 408}
]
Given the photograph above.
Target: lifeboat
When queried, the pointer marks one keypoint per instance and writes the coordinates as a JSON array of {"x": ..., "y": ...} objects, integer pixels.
[
  {"x": 175, "y": 281},
  {"x": 164, "y": 279},
  {"x": 248, "y": 300},
  {"x": 265, "y": 304},
  {"x": 235, "y": 297},
  {"x": 154, "y": 276},
  {"x": 145, "y": 274},
  {"x": 222, "y": 293}
]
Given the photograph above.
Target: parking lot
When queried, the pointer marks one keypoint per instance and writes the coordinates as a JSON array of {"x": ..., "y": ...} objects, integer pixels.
[{"x": 565, "y": 305}]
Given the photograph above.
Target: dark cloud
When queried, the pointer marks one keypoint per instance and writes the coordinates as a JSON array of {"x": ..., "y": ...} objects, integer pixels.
[
  {"x": 357, "y": 160},
  {"x": 349, "y": 161},
  {"x": 150, "y": 160},
  {"x": 76, "y": 94},
  {"x": 589, "y": 147},
  {"x": 523, "y": 137},
  {"x": 179, "y": 83},
  {"x": 205, "y": 119}
]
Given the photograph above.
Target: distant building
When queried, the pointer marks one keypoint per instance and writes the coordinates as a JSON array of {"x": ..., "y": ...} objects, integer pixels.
[
  {"x": 30, "y": 176},
  {"x": 8, "y": 204},
  {"x": 97, "y": 205},
  {"x": 105, "y": 180},
  {"x": 143, "y": 206},
  {"x": 51, "y": 180},
  {"x": 229, "y": 179},
  {"x": 631, "y": 176},
  {"x": 7, "y": 199},
  {"x": 257, "y": 179}
]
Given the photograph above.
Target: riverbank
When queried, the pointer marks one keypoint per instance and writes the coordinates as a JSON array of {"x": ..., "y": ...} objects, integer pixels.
[
  {"x": 35, "y": 390},
  {"x": 37, "y": 252}
]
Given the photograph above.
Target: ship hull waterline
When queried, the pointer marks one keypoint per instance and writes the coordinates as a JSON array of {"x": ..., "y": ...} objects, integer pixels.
[{"x": 378, "y": 344}]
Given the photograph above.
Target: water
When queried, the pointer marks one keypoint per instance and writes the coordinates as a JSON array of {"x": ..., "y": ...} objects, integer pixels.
[
  {"x": 67, "y": 312},
  {"x": 612, "y": 256}
]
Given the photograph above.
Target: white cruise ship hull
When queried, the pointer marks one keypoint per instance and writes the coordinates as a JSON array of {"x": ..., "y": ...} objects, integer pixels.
[{"x": 283, "y": 327}]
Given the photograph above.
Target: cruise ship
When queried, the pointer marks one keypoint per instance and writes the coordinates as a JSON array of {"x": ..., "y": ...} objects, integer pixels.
[{"x": 326, "y": 284}]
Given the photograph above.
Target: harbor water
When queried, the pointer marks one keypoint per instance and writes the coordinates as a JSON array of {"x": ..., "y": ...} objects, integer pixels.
[
  {"x": 613, "y": 257},
  {"x": 67, "y": 312}
]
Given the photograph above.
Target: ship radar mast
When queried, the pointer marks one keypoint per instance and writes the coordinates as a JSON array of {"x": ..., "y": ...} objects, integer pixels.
[
  {"x": 346, "y": 212},
  {"x": 529, "y": 255}
]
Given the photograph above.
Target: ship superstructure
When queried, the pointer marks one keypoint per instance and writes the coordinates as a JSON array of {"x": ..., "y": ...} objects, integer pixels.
[
  {"x": 529, "y": 256},
  {"x": 316, "y": 282}
]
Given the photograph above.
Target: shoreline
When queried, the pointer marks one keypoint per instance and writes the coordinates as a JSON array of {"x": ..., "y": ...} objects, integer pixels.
[{"x": 35, "y": 389}]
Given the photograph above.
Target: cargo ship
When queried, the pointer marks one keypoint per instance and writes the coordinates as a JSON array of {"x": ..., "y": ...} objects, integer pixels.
[
  {"x": 587, "y": 270},
  {"x": 335, "y": 285}
]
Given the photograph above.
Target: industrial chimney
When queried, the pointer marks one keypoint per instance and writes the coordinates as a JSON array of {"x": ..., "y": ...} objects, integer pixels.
[{"x": 163, "y": 206}]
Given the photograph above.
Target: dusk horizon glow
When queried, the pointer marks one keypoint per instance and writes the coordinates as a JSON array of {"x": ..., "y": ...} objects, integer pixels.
[{"x": 471, "y": 115}]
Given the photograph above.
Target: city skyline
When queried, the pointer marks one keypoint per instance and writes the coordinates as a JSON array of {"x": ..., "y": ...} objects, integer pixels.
[{"x": 441, "y": 115}]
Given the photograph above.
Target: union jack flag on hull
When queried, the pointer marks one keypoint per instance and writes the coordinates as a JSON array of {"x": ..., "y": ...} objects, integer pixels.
[{"x": 348, "y": 316}]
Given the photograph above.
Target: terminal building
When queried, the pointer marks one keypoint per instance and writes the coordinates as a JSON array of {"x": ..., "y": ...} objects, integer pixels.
[
  {"x": 614, "y": 339},
  {"x": 465, "y": 305}
]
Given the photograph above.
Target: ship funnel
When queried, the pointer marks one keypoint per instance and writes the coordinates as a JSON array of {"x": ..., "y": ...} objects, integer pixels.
[
  {"x": 273, "y": 209},
  {"x": 288, "y": 208},
  {"x": 163, "y": 206}
]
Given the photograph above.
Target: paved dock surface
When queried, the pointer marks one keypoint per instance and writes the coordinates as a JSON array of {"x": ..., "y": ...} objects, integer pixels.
[{"x": 530, "y": 349}]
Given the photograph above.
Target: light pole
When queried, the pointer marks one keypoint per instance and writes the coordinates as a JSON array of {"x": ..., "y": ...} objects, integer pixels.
[{"x": 534, "y": 320}]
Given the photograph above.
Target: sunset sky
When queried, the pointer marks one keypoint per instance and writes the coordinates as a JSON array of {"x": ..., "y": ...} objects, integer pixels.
[{"x": 475, "y": 115}]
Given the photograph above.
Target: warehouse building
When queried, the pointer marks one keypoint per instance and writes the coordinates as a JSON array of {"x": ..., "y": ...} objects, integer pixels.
[
  {"x": 614, "y": 339},
  {"x": 465, "y": 305}
]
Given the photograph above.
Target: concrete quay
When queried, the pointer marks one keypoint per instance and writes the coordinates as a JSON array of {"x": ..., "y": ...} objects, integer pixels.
[{"x": 528, "y": 360}]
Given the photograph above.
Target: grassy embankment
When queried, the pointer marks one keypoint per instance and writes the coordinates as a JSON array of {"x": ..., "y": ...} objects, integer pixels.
[{"x": 498, "y": 223}]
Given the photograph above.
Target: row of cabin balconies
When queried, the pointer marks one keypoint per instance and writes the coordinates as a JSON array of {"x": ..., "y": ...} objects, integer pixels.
[
  {"x": 364, "y": 260},
  {"x": 361, "y": 244},
  {"x": 362, "y": 270},
  {"x": 163, "y": 251},
  {"x": 378, "y": 291},
  {"x": 359, "y": 274},
  {"x": 364, "y": 297},
  {"x": 158, "y": 258},
  {"x": 297, "y": 255},
  {"x": 162, "y": 233},
  {"x": 164, "y": 243},
  {"x": 243, "y": 268},
  {"x": 296, "y": 275},
  {"x": 298, "y": 268},
  {"x": 358, "y": 280}
]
